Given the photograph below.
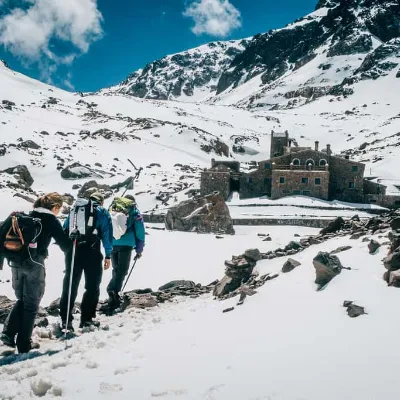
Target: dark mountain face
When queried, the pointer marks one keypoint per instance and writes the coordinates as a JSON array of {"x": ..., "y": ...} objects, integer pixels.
[
  {"x": 356, "y": 29},
  {"x": 347, "y": 27}
]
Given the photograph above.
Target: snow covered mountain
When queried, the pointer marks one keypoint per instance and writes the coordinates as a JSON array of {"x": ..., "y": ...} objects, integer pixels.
[
  {"x": 322, "y": 54},
  {"x": 188, "y": 76}
]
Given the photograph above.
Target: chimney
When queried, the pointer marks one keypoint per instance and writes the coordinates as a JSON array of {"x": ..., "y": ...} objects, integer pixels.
[
  {"x": 328, "y": 149},
  {"x": 316, "y": 145}
]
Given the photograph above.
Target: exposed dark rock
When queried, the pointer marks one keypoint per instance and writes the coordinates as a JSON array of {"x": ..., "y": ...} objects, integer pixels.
[
  {"x": 333, "y": 226},
  {"x": 228, "y": 309},
  {"x": 353, "y": 310},
  {"x": 341, "y": 249},
  {"x": 22, "y": 174},
  {"x": 395, "y": 223},
  {"x": 175, "y": 284},
  {"x": 133, "y": 300},
  {"x": 253, "y": 254},
  {"x": 29, "y": 144},
  {"x": 392, "y": 261},
  {"x": 326, "y": 266},
  {"x": 357, "y": 235},
  {"x": 290, "y": 265},
  {"x": 5, "y": 307},
  {"x": 373, "y": 246},
  {"x": 78, "y": 171},
  {"x": 208, "y": 214}
]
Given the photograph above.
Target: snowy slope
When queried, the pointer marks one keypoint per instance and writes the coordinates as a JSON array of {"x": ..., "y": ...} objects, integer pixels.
[
  {"x": 288, "y": 332},
  {"x": 191, "y": 75}
]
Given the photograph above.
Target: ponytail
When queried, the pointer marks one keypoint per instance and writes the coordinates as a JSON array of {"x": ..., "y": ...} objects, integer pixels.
[{"x": 49, "y": 201}]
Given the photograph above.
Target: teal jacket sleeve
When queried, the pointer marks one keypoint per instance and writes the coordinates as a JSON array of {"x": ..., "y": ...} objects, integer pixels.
[
  {"x": 139, "y": 230},
  {"x": 104, "y": 225}
]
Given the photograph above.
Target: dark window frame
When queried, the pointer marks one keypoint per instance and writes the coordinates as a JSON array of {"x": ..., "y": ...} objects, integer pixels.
[
  {"x": 305, "y": 180},
  {"x": 319, "y": 181},
  {"x": 267, "y": 166},
  {"x": 352, "y": 185},
  {"x": 281, "y": 179},
  {"x": 354, "y": 168}
]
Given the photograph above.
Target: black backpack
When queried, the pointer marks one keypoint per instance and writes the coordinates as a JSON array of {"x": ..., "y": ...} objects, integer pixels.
[
  {"x": 20, "y": 241},
  {"x": 82, "y": 220}
]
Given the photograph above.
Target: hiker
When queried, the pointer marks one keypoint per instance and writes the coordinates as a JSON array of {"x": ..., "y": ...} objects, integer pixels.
[
  {"x": 88, "y": 224},
  {"x": 129, "y": 234},
  {"x": 28, "y": 264}
]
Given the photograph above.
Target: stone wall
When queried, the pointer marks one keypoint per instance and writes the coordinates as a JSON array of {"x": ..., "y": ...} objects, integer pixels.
[
  {"x": 213, "y": 181},
  {"x": 293, "y": 183},
  {"x": 383, "y": 200},
  {"x": 373, "y": 188},
  {"x": 308, "y": 222},
  {"x": 342, "y": 174}
]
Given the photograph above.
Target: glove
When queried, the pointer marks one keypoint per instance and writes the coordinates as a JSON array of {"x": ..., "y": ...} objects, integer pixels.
[
  {"x": 74, "y": 235},
  {"x": 138, "y": 255}
]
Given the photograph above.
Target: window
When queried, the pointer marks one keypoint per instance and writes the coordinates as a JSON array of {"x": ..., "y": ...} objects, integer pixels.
[
  {"x": 267, "y": 181},
  {"x": 304, "y": 180},
  {"x": 296, "y": 192},
  {"x": 317, "y": 181},
  {"x": 322, "y": 163},
  {"x": 249, "y": 179},
  {"x": 351, "y": 185},
  {"x": 306, "y": 193},
  {"x": 267, "y": 166},
  {"x": 296, "y": 162},
  {"x": 281, "y": 179},
  {"x": 354, "y": 168},
  {"x": 310, "y": 161}
]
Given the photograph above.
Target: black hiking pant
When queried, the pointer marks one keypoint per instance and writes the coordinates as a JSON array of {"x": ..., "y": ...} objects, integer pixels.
[
  {"x": 88, "y": 260},
  {"x": 29, "y": 282},
  {"x": 121, "y": 258}
]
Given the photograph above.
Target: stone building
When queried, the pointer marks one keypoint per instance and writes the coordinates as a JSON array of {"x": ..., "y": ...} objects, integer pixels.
[{"x": 293, "y": 170}]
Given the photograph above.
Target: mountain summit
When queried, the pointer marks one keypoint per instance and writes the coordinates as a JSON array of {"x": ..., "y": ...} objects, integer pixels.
[{"x": 323, "y": 53}]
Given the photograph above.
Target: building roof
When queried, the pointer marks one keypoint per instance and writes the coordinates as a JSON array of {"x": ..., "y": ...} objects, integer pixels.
[{"x": 279, "y": 134}]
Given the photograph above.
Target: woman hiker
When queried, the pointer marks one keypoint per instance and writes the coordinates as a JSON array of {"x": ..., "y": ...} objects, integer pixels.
[{"x": 29, "y": 274}]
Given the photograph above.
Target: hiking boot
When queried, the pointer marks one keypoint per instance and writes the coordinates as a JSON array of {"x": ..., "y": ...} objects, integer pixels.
[
  {"x": 7, "y": 340},
  {"x": 69, "y": 328},
  {"x": 89, "y": 324}
]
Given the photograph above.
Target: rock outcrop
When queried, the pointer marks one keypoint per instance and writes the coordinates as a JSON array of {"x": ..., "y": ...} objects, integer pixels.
[
  {"x": 327, "y": 266},
  {"x": 208, "y": 214}
]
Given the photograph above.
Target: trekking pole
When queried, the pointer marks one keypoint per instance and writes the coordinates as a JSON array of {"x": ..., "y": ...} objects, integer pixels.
[
  {"x": 127, "y": 279},
  {"x": 71, "y": 274}
]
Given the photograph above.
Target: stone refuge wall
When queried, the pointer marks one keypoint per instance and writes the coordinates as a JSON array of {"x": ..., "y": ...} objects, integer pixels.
[
  {"x": 293, "y": 183},
  {"x": 308, "y": 222},
  {"x": 212, "y": 181},
  {"x": 342, "y": 174},
  {"x": 373, "y": 188},
  {"x": 383, "y": 200}
]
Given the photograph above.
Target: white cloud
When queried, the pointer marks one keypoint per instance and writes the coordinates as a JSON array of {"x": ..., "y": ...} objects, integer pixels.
[
  {"x": 213, "y": 17},
  {"x": 28, "y": 32}
]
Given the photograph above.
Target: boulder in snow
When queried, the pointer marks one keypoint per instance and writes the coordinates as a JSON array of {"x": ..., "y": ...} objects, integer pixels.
[
  {"x": 373, "y": 246},
  {"x": 78, "y": 171},
  {"x": 29, "y": 144},
  {"x": 333, "y": 226},
  {"x": 290, "y": 265},
  {"x": 208, "y": 214},
  {"x": 22, "y": 174},
  {"x": 92, "y": 186},
  {"x": 326, "y": 266},
  {"x": 176, "y": 284},
  {"x": 253, "y": 254}
]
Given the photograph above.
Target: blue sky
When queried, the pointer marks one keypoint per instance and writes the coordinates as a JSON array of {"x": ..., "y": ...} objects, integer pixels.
[{"x": 85, "y": 45}]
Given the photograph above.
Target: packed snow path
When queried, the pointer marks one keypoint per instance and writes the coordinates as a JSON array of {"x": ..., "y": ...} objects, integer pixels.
[{"x": 288, "y": 342}]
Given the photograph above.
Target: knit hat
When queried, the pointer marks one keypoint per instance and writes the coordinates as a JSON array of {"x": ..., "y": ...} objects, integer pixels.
[{"x": 97, "y": 196}]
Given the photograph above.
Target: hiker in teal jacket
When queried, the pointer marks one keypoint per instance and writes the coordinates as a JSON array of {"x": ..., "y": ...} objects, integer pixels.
[{"x": 129, "y": 234}]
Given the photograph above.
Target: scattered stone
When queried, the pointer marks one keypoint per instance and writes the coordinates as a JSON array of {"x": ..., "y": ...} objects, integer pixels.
[
  {"x": 395, "y": 224},
  {"x": 268, "y": 239},
  {"x": 92, "y": 186},
  {"x": 333, "y": 226},
  {"x": 42, "y": 322},
  {"x": 341, "y": 249},
  {"x": 326, "y": 266},
  {"x": 290, "y": 265},
  {"x": 373, "y": 246},
  {"x": 133, "y": 300},
  {"x": 22, "y": 174},
  {"x": 219, "y": 237},
  {"x": 357, "y": 235},
  {"x": 366, "y": 239},
  {"x": 253, "y": 254},
  {"x": 392, "y": 261},
  {"x": 29, "y": 144},
  {"x": 178, "y": 283},
  {"x": 296, "y": 235},
  {"x": 347, "y": 303},
  {"x": 354, "y": 311},
  {"x": 78, "y": 171},
  {"x": 228, "y": 309}
]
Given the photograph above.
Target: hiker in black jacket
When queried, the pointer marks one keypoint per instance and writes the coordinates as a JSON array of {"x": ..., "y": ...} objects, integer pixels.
[{"x": 28, "y": 275}]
